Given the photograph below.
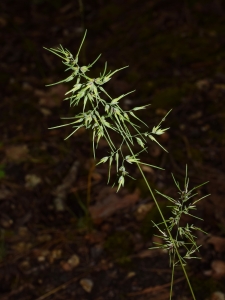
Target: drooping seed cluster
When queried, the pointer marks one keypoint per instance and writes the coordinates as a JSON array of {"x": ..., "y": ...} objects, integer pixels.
[
  {"x": 89, "y": 92},
  {"x": 180, "y": 236}
]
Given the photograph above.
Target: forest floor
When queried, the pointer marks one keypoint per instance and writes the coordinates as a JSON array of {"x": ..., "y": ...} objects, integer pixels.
[{"x": 65, "y": 233}]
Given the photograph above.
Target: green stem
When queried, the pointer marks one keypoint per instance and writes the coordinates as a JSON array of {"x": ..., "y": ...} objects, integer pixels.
[
  {"x": 164, "y": 221},
  {"x": 172, "y": 277}
]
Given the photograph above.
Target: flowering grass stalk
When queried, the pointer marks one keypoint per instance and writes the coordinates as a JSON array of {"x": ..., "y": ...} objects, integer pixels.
[{"x": 102, "y": 114}]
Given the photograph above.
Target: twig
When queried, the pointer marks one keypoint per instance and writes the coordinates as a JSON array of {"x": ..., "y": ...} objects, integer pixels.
[
  {"x": 63, "y": 189},
  {"x": 61, "y": 287},
  {"x": 154, "y": 288},
  {"x": 17, "y": 291}
]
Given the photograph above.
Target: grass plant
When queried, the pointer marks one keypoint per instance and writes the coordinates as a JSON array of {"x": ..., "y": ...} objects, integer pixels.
[{"x": 102, "y": 114}]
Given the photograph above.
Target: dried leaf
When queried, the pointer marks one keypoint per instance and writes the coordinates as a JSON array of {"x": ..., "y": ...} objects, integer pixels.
[
  {"x": 17, "y": 153},
  {"x": 5, "y": 193},
  {"x": 218, "y": 243},
  {"x": 218, "y": 268},
  {"x": 112, "y": 204},
  {"x": 74, "y": 261},
  {"x": 217, "y": 296},
  {"x": 142, "y": 210},
  {"x": 147, "y": 169},
  {"x": 86, "y": 284},
  {"x": 202, "y": 84},
  {"x": 53, "y": 97},
  {"x": 32, "y": 180}
]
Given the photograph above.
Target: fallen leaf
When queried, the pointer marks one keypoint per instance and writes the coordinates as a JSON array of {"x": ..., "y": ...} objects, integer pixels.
[
  {"x": 112, "y": 204},
  {"x": 217, "y": 296},
  {"x": 156, "y": 289},
  {"x": 218, "y": 243},
  {"x": 25, "y": 265},
  {"x": 202, "y": 84},
  {"x": 157, "y": 240},
  {"x": 65, "y": 8},
  {"x": 3, "y": 22},
  {"x": 74, "y": 261},
  {"x": 96, "y": 251},
  {"x": 32, "y": 180},
  {"x": 104, "y": 192},
  {"x": 155, "y": 150},
  {"x": 5, "y": 193},
  {"x": 65, "y": 266},
  {"x": 51, "y": 97},
  {"x": 23, "y": 232},
  {"x": 219, "y": 86},
  {"x": 164, "y": 137},
  {"x": 26, "y": 86},
  {"x": 22, "y": 247},
  {"x": 160, "y": 112},
  {"x": 5, "y": 221},
  {"x": 44, "y": 238},
  {"x": 218, "y": 269},
  {"x": 131, "y": 274},
  {"x": 205, "y": 128},
  {"x": 95, "y": 237},
  {"x": 86, "y": 284},
  {"x": 142, "y": 210},
  {"x": 45, "y": 111},
  {"x": 149, "y": 253},
  {"x": 96, "y": 176},
  {"x": 41, "y": 258},
  {"x": 147, "y": 169},
  {"x": 17, "y": 153},
  {"x": 195, "y": 115},
  {"x": 55, "y": 254}
]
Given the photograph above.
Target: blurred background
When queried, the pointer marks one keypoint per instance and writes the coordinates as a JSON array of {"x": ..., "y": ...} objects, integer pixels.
[{"x": 65, "y": 234}]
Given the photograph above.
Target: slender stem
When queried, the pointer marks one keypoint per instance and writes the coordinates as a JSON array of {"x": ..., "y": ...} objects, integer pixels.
[
  {"x": 122, "y": 129},
  {"x": 164, "y": 221},
  {"x": 172, "y": 277}
]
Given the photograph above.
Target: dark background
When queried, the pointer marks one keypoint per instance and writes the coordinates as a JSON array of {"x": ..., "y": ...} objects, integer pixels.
[{"x": 175, "y": 50}]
